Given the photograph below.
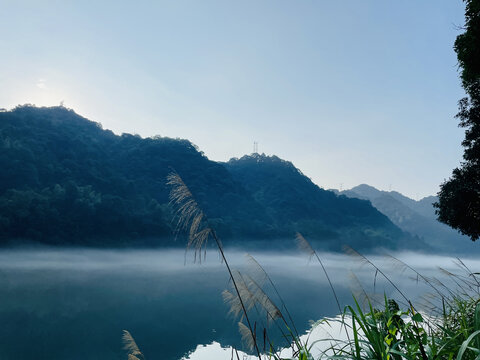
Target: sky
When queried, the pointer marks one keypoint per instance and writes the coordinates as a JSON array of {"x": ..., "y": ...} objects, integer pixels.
[{"x": 350, "y": 91}]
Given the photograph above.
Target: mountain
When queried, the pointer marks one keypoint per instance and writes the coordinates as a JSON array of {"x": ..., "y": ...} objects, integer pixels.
[
  {"x": 422, "y": 207},
  {"x": 415, "y": 217},
  {"x": 65, "y": 180},
  {"x": 294, "y": 201}
]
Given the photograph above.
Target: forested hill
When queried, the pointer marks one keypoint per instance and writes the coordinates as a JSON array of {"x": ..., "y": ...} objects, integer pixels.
[
  {"x": 291, "y": 197},
  {"x": 65, "y": 180}
]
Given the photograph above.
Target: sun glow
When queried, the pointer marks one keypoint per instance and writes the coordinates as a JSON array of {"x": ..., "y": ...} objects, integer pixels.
[{"x": 41, "y": 93}]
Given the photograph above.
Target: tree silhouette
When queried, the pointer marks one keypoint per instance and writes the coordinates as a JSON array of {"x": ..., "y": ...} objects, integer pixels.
[{"x": 459, "y": 197}]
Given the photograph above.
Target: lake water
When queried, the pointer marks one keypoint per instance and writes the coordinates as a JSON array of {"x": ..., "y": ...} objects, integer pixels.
[{"x": 74, "y": 304}]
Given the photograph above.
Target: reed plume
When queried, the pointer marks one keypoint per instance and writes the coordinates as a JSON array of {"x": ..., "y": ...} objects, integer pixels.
[
  {"x": 252, "y": 294},
  {"x": 131, "y": 347},
  {"x": 247, "y": 336},
  {"x": 233, "y": 300},
  {"x": 261, "y": 298},
  {"x": 191, "y": 217},
  {"x": 262, "y": 275}
]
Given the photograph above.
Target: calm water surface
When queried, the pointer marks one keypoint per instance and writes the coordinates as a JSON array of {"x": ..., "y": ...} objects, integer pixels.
[{"x": 74, "y": 304}]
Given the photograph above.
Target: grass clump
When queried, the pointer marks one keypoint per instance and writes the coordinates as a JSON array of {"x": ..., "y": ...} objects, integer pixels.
[
  {"x": 392, "y": 333},
  {"x": 447, "y": 328}
]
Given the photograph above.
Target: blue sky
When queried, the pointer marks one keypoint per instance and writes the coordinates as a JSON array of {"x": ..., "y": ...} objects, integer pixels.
[{"x": 350, "y": 91}]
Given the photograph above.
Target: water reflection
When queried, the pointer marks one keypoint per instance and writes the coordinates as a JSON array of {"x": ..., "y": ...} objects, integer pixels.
[{"x": 73, "y": 304}]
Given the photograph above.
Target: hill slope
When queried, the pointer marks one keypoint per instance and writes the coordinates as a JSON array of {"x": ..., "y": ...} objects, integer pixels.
[
  {"x": 415, "y": 217},
  {"x": 293, "y": 200},
  {"x": 65, "y": 180}
]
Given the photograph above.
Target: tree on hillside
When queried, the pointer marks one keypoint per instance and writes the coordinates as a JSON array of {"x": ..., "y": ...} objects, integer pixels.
[{"x": 459, "y": 197}]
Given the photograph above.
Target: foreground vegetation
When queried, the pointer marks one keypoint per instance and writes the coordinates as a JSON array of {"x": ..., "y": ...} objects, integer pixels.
[{"x": 446, "y": 326}]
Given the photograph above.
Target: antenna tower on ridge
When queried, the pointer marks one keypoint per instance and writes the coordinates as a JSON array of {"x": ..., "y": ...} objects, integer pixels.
[{"x": 255, "y": 147}]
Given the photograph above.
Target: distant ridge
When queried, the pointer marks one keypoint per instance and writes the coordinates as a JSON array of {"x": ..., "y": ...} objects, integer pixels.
[
  {"x": 67, "y": 181},
  {"x": 415, "y": 217}
]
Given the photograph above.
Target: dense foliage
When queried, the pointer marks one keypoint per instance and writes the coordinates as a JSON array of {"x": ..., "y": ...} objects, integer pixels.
[
  {"x": 459, "y": 197},
  {"x": 291, "y": 197},
  {"x": 65, "y": 180}
]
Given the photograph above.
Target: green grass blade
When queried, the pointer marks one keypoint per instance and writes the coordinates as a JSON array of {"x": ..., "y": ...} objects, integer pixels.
[{"x": 465, "y": 344}]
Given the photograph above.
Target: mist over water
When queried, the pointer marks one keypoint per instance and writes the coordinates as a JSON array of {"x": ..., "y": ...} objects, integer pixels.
[{"x": 74, "y": 303}]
